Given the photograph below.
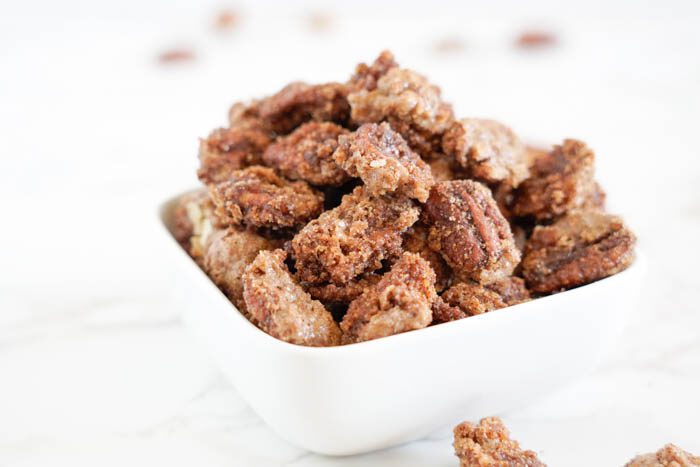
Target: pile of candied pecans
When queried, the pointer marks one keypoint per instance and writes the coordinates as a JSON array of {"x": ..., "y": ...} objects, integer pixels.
[{"x": 343, "y": 212}]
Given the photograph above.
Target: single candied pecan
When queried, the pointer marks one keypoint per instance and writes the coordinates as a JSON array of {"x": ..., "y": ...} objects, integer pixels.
[
  {"x": 280, "y": 307},
  {"x": 401, "y": 301},
  {"x": 668, "y": 456},
  {"x": 474, "y": 299},
  {"x": 410, "y": 104},
  {"x": 384, "y": 162},
  {"x": 559, "y": 182},
  {"x": 299, "y": 102},
  {"x": 257, "y": 197},
  {"x": 194, "y": 221},
  {"x": 469, "y": 231},
  {"x": 306, "y": 154},
  {"x": 228, "y": 149},
  {"x": 581, "y": 247},
  {"x": 416, "y": 241},
  {"x": 343, "y": 294},
  {"x": 353, "y": 238},
  {"x": 226, "y": 255},
  {"x": 366, "y": 76},
  {"x": 489, "y": 444},
  {"x": 443, "y": 312},
  {"x": 489, "y": 150}
]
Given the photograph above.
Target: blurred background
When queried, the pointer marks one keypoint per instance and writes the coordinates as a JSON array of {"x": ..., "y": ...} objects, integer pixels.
[{"x": 101, "y": 107}]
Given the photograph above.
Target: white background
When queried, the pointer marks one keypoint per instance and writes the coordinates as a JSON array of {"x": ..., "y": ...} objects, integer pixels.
[{"x": 95, "y": 367}]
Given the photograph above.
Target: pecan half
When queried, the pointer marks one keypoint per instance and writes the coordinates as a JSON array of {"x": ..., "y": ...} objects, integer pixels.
[
  {"x": 470, "y": 232},
  {"x": 581, "y": 247},
  {"x": 257, "y": 197}
]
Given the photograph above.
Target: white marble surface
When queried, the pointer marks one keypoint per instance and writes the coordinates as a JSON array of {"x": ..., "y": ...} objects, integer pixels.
[{"x": 95, "y": 366}]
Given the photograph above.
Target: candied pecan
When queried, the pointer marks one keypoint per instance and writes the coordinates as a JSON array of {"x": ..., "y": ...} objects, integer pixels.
[
  {"x": 226, "y": 255},
  {"x": 469, "y": 231},
  {"x": 559, "y": 182},
  {"x": 281, "y": 308},
  {"x": 307, "y": 154},
  {"x": 668, "y": 456},
  {"x": 401, "y": 301},
  {"x": 333, "y": 294},
  {"x": 257, "y": 197},
  {"x": 194, "y": 221},
  {"x": 353, "y": 238},
  {"x": 443, "y": 312},
  {"x": 384, "y": 162},
  {"x": 410, "y": 104},
  {"x": 474, "y": 299},
  {"x": 299, "y": 102},
  {"x": 535, "y": 39},
  {"x": 228, "y": 149},
  {"x": 581, "y": 247},
  {"x": 172, "y": 56},
  {"x": 489, "y": 444},
  {"x": 489, "y": 150},
  {"x": 416, "y": 241},
  {"x": 366, "y": 76}
]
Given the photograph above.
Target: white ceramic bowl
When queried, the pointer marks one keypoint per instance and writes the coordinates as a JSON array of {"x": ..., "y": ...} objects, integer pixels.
[{"x": 371, "y": 395}]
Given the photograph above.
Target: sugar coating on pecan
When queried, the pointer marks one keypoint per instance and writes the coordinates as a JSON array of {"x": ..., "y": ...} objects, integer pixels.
[
  {"x": 382, "y": 159},
  {"x": 401, "y": 301},
  {"x": 280, "y": 307},
  {"x": 559, "y": 182},
  {"x": 489, "y": 150},
  {"x": 474, "y": 299},
  {"x": 258, "y": 197},
  {"x": 668, "y": 456},
  {"x": 410, "y": 104},
  {"x": 228, "y": 149},
  {"x": 489, "y": 444},
  {"x": 416, "y": 241},
  {"x": 353, "y": 238},
  {"x": 443, "y": 312},
  {"x": 366, "y": 76},
  {"x": 342, "y": 294},
  {"x": 581, "y": 247},
  {"x": 306, "y": 154},
  {"x": 299, "y": 102},
  {"x": 226, "y": 255},
  {"x": 468, "y": 229}
]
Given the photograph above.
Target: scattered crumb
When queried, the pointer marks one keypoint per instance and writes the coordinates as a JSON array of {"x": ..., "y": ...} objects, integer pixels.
[
  {"x": 535, "y": 39},
  {"x": 448, "y": 45},
  {"x": 226, "y": 20},
  {"x": 320, "y": 21},
  {"x": 176, "y": 56}
]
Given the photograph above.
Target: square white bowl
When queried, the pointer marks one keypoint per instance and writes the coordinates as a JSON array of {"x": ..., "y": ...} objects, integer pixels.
[{"x": 372, "y": 395}]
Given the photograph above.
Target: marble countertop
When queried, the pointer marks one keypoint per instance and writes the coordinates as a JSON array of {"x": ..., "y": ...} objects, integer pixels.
[{"x": 95, "y": 365}]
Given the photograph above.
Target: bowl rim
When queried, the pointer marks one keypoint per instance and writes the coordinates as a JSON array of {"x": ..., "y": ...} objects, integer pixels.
[{"x": 165, "y": 208}]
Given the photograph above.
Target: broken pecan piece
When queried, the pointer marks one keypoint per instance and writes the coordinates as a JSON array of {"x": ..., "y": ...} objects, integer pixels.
[
  {"x": 581, "y": 247},
  {"x": 307, "y": 154},
  {"x": 257, "y": 197},
  {"x": 468, "y": 229},
  {"x": 382, "y": 159},
  {"x": 366, "y": 76},
  {"x": 489, "y": 150},
  {"x": 559, "y": 182}
]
